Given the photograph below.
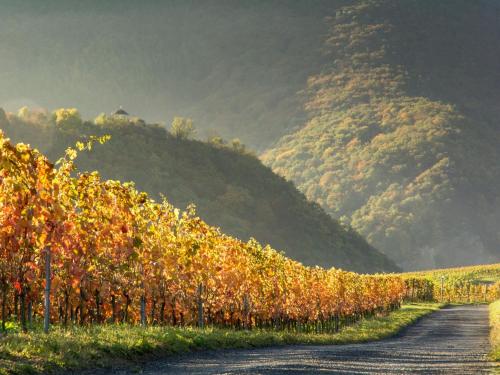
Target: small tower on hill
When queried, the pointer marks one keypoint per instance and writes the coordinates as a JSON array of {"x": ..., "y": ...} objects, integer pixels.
[{"x": 120, "y": 112}]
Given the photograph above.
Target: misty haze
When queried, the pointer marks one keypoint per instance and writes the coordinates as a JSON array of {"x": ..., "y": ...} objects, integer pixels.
[{"x": 245, "y": 174}]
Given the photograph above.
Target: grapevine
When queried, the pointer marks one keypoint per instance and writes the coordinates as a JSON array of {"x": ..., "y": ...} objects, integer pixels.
[{"x": 119, "y": 256}]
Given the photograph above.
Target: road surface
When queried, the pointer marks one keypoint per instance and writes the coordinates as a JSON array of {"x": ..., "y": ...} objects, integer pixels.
[{"x": 450, "y": 341}]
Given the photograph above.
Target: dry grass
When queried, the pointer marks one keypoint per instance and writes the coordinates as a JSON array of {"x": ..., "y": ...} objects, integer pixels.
[{"x": 495, "y": 330}]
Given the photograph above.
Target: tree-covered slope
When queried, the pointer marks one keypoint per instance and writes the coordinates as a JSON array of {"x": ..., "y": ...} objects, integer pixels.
[
  {"x": 403, "y": 139},
  {"x": 231, "y": 188}
]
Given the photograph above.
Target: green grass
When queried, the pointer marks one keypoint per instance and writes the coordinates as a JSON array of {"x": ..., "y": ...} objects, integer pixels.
[
  {"x": 495, "y": 330},
  {"x": 116, "y": 345}
]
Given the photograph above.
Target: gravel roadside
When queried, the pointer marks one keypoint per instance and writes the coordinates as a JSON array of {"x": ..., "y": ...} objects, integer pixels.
[{"x": 453, "y": 340}]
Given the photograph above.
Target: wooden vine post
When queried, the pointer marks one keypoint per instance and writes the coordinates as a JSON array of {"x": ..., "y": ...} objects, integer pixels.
[
  {"x": 143, "y": 310},
  {"x": 143, "y": 299},
  {"x": 200, "y": 306},
  {"x": 246, "y": 312},
  {"x": 442, "y": 288},
  {"x": 46, "y": 315}
]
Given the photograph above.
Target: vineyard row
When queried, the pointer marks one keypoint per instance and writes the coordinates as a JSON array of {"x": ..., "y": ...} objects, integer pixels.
[{"x": 78, "y": 249}]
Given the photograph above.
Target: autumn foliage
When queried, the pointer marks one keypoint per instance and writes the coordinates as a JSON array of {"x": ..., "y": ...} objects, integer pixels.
[
  {"x": 118, "y": 256},
  {"x": 471, "y": 284}
]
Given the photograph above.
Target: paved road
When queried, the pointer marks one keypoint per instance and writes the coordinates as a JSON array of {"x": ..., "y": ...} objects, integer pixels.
[{"x": 450, "y": 341}]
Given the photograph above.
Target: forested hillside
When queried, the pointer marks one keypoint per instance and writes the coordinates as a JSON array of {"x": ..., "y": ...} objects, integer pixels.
[
  {"x": 231, "y": 187},
  {"x": 403, "y": 140}
]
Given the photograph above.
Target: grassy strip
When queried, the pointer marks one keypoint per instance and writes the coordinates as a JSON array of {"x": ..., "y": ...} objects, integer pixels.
[
  {"x": 115, "y": 345},
  {"x": 495, "y": 330}
]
